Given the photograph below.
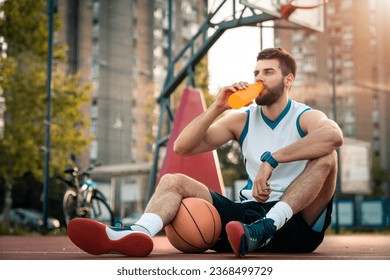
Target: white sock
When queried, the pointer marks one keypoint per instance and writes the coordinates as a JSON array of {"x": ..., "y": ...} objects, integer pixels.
[
  {"x": 281, "y": 212},
  {"x": 149, "y": 223}
]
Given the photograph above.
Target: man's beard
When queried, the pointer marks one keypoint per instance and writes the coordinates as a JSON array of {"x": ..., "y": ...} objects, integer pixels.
[{"x": 273, "y": 94}]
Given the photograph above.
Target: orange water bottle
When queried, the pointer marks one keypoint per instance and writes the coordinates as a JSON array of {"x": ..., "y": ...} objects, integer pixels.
[{"x": 245, "y": 96}]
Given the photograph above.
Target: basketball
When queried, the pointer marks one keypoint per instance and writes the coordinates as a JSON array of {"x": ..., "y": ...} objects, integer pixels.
[{"x": 196, "y": 227}]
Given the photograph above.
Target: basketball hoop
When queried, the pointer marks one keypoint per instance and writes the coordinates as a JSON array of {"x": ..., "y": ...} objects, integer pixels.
[
  {"x": 287, "y": 9},
  {"x": 309, "y": 14}
]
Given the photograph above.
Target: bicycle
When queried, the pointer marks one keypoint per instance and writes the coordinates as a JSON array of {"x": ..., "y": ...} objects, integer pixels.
[{"x": 84, "y": 200}]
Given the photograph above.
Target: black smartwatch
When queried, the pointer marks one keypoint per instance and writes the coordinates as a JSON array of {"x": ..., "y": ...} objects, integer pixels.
[{"x": 269, "y": 158}]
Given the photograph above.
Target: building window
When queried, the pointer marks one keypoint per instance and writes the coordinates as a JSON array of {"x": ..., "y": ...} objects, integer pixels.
[
  {"x": 349, "y": 130},
  {"x": 93, "y": 151},
  {"x": 346, "y": 5},
  {"x": 96, "y": 9}
]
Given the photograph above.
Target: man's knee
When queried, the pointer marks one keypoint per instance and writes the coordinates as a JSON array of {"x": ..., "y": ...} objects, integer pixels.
[
  {"x": 169, "y": 179},
  {"x": 327, "y": 162},
  {"x": 183, "y": 185},
  {"x": 172, "y": 182}
]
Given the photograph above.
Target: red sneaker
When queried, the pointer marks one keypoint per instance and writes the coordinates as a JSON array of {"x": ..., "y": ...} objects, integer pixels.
[
  {"x": 96, "y": 238},
  {"x": 245, "y": 238}
]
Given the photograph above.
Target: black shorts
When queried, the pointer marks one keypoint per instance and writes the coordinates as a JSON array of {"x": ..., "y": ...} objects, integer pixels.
[{"x": 296, "y": 236}]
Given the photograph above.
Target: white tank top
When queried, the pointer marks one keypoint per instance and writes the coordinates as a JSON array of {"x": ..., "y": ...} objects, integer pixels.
[{"x": 260, "y": 135}]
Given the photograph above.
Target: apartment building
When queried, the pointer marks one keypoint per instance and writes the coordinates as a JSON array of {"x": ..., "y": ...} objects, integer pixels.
[{"x": 122, "y": 47}]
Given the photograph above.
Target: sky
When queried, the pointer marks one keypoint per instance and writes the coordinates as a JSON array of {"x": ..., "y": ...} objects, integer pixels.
[{"x": 233, "y": 57}]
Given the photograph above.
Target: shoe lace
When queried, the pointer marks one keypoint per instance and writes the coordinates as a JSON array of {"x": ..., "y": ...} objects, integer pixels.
[
  {"x": 118, "y": 223},
  {"x": 261, "y": 230}
]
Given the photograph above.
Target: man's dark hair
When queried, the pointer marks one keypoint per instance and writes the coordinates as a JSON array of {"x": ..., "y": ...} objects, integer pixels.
[{"x": 286, "y": 61}]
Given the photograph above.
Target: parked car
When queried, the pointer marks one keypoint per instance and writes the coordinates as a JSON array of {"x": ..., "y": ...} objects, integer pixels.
[{"x": 30, "y": 219}]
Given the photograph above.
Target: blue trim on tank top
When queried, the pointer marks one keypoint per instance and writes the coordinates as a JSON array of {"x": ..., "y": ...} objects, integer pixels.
[
  {"x": 245, "y": 129},
  {"x": 248, "y": 186},
  {"x": 300, "y": 131},
  {"x": 274, "y": 124}
]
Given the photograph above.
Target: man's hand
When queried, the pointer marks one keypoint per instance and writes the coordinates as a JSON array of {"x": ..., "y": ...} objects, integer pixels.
[
  {"x": 224, "y": 94},
  {"x": 261, "y": 189}
]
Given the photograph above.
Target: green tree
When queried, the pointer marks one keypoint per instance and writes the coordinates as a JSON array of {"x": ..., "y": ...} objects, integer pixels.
[{"x": 24, "y": 28}]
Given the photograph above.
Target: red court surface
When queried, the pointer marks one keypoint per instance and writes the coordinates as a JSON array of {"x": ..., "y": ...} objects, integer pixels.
[{"x": 334, "y": 247}]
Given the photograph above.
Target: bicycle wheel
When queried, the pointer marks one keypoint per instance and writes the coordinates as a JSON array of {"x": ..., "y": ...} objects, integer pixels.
[
  {"x": 100, "y": 211},
  {"x": 69, "y": 205}
]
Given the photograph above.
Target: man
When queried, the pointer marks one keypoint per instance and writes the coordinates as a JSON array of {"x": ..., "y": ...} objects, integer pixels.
[{"x": 289, "y": 154}]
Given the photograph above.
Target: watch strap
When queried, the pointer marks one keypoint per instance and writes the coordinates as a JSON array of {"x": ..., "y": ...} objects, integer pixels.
[{"x": 267, "y": 156}]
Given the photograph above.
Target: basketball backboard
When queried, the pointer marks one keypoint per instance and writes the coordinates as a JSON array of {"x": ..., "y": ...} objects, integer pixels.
[{"x": 306, "y": 13}]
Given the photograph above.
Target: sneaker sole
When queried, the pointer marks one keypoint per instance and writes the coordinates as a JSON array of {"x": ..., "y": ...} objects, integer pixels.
[
  {"x": 91, "y": 237},
  {"x": 235, "y": 232}
]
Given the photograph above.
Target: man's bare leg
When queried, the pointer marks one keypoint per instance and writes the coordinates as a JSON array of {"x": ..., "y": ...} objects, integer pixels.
[
  {"x": 136, "y": 240},
  {"x": 171, "y": 189},
  {"x": 310, "y": 194}
]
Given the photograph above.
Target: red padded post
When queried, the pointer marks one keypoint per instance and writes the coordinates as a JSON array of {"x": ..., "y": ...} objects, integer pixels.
[{"x": 203, "y": 167}]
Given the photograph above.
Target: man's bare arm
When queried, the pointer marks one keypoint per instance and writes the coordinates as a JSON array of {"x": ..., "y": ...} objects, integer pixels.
[
  {"x": 323, "y": 136},
  {"x": 205, "y": 133}
]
